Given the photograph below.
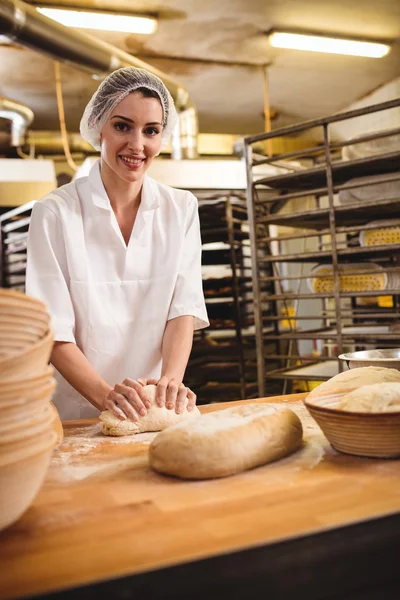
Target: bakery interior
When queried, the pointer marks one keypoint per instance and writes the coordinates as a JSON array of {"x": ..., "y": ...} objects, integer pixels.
[{"x": 288, "y": 135}]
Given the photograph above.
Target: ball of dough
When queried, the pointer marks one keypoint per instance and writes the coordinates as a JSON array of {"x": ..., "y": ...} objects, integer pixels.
[
  {"x": 156, "y": 419},
  {"x": 226, "y": 442},
  {"x": 355, "y": 378},
  {"x": 377, "y": 398}
]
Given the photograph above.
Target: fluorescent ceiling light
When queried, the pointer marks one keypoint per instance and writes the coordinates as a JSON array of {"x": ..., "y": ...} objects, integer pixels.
[
  {"x": 97, "y": 20},
  {"x": 314, "y": 43}
]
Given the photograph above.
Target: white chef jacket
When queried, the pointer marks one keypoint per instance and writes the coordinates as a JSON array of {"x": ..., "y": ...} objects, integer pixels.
[{"x": 113, "y": 300}]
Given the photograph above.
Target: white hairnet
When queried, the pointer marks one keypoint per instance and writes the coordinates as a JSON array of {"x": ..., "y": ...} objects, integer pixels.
[{"x": 113, "y": 90}]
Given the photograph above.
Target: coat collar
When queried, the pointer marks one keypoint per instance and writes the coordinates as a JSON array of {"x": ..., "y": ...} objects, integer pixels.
[{"x": 150, "y": 193}]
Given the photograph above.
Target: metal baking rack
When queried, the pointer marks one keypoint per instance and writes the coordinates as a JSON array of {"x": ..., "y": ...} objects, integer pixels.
[
  {"x": 223, "y": 361},
  {"x": 297, "y": 221},
  {"x": 14, "y": 226}
]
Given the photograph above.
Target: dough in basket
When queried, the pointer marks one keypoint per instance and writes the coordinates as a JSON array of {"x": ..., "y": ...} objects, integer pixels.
[
  {"x": 377, "y": 398},
  {"x": 156, "y": 419},
  {"x": 355, "y": 378},
  {"x": 226, "y": 442}
]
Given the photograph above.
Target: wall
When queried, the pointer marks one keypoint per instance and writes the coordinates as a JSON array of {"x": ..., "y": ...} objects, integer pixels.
[{"x": 386, "y": 119}]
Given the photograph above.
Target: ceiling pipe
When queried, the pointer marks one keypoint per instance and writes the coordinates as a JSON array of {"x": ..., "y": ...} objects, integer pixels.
[
  {"x": 26, "y": 26},
  {"x": 20, "y": 116}
]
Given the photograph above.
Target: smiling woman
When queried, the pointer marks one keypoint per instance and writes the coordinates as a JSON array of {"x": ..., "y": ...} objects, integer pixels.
[
  {"x": 132, "y": 138},
  {"x": 117, "y": 258}
]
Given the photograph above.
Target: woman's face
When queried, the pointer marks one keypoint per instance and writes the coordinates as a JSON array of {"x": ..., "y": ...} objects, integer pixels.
[{"x": 131, "y": 137}]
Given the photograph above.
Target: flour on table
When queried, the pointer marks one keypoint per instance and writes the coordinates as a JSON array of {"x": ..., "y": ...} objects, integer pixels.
[{"x": 76, "y": 460}]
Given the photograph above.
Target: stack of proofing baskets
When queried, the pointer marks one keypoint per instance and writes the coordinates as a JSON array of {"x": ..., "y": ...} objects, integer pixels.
[{"x": 30, "y": 427}]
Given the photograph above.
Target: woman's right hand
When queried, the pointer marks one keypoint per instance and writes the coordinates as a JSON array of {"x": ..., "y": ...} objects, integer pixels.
[{"x": 128, "y": 400}]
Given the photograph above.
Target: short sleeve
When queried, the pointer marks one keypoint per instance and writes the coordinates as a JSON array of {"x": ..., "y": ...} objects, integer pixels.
[
  {"x": 47, "y": 270},
  {"x": 188, "y": 297}
]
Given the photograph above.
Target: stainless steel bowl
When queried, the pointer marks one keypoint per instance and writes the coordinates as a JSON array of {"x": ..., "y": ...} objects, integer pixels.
[{"x": 388, "y": 357}]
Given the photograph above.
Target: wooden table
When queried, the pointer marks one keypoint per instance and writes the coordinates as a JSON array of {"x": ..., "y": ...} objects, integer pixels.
[{"x": 318, "y": 524}]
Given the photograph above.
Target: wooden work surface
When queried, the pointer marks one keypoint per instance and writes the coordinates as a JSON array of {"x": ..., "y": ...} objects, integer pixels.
[{"x": 103, "y": 514}]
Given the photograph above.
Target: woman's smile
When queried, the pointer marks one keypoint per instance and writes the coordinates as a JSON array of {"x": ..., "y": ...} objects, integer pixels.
[{"x": 131, "y": 162}]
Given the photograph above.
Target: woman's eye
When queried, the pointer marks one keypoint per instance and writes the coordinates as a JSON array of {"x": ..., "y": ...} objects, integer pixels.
[
  {"x": 152, "y": 131},
  {"x": 121, "y": 126}
]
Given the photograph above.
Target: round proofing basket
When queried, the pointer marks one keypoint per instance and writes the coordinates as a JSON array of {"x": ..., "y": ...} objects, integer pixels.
[
  {"x": 14, "y": 387},
  {"x": 375, "y": 435},
  {"x": 20, "y": 299},
  {"x": 11, "y": 346},
  {"x": 23, "y": 311},
  {"x": 22, "y": 415},
  {"x": 14, "y": 403},
  {"x": 34, "y": 360},
  {"x": 21, "y": 476},
  {"x": 33, "y": 428},
  {"x": 11, "y": 336},
  {"x": 27, "y": 322},
  {"x": 26, "y": 444}
]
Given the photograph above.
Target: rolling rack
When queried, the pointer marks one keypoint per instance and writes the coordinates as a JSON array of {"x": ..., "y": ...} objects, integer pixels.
[
  {"x": 14, "y": 226},
  {"x": 301, "y": 227},
  {"x": 222, "y": 365}
]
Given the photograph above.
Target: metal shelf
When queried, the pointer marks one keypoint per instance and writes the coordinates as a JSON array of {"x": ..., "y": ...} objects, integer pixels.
[
  {"x": 326, "y": 256},
  {"x": 320, "y": 321},
  {"x": 350, "y": 214},
  {"x": 342, "y": 171},
  {"x": 14, "y": 226},
  {"x": 314, "y": 296},
  {"x": 310, "y": 335},
  {"x": 223, "y": 352}
]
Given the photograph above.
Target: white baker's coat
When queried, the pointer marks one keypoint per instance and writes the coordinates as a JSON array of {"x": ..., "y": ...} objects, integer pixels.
[{"x": 114, "y": 300}]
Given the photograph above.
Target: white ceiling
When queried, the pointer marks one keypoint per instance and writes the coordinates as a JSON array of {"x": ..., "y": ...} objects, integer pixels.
[{"x": 229, "y": 98}]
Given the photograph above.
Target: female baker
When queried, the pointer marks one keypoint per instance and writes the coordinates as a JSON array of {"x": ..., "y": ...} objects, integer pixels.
[{"x": 116, "y": 257}]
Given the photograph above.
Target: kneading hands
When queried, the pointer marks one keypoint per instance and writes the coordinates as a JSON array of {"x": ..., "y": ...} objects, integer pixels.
[{"x": 129, "y": 399}]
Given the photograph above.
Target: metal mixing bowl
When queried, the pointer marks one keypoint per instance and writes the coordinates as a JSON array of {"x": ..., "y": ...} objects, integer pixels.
[{"x": 388, "y": 357}]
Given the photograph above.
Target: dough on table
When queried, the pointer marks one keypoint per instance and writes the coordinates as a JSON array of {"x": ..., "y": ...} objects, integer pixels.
[
  {"x": 377, "y": 398},
  {"x": 355, "y": 378},
  {"x": 226, "y": 442},
  {"x": 156, "y": 419}
]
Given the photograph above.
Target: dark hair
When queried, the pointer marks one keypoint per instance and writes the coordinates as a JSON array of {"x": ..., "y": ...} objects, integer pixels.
[{"x": 147, "y": 93}]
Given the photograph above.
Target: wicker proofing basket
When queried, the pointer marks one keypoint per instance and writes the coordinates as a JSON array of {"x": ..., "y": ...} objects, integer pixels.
[
  {"x": 32, "y": 361},
  {"x": 21, "y": 476},
  {"x": 375, "y": 435}
]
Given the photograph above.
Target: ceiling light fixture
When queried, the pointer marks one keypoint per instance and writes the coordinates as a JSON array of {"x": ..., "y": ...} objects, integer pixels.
[
  {"x": 99, "y": 20},
  {"x": 315, "y": 43}
]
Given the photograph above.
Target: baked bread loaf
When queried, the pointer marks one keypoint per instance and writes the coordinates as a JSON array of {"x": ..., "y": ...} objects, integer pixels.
[
  {"x": 226, "y": 442},
  {"x": 355, "y": 378},
  {"x": 156, "y": 419},
  {"x": 377, "y": 398}
]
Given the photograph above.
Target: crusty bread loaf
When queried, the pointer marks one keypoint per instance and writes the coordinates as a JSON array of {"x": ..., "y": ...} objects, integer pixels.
[
  {"x": 226, "y": 442},
  {"x": 377, "y": 398},
  {"x": 355, "y": 378}
]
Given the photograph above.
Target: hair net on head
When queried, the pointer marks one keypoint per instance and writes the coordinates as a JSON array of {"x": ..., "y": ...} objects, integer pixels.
[{"x": 113, "y": 90}]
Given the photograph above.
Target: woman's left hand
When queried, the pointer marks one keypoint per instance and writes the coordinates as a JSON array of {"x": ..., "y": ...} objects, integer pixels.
[{"x": 172, "y": 394}]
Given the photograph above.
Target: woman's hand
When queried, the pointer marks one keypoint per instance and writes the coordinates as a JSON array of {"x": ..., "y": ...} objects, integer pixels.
[
  {"x": 128, "y": 400},
  {"x": 172, "y": 394}
]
